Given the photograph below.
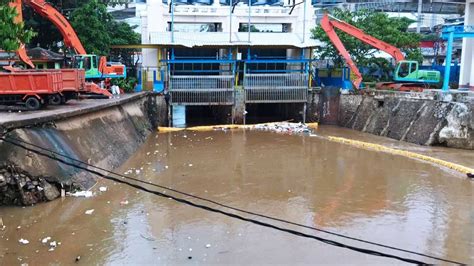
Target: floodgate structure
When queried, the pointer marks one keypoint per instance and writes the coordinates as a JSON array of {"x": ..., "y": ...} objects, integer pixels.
[{"x": 406, "y": 195}]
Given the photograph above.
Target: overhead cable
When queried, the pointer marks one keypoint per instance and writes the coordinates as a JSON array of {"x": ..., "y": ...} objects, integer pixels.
[{"x": 14, "y": 141}]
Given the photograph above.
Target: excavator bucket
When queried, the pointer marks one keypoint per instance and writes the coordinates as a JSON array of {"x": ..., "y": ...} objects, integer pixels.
[
  {"x": 21, "y": 52},
  {"x": 92, "y": 89}
]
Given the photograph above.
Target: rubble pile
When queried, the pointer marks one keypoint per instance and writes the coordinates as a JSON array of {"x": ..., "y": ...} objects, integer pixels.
[
  {"x": 283, "y": 127},
  {"x": 18, "y": 187}
]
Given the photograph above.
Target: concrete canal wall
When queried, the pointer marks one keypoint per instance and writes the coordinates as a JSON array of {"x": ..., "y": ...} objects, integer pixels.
[
  {"x": 415, "y": 120},
  {"x": 104, "y": 136}
]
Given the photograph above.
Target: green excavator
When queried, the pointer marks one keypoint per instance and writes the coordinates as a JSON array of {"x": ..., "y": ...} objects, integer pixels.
[{"x": 407, "y": 75}]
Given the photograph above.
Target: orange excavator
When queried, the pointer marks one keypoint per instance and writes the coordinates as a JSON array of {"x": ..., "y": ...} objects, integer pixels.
[
  {"x": 94, "y": 67},
  {"x": 407, "y": 75}
]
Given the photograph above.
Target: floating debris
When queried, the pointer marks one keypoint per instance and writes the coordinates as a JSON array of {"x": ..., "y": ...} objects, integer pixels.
[
  {"x": 45, "y": 240},
  {"x": 24, "y": 241},
  {"x": 81, "y": 194},
  {"x": 103, "y": 189},
  {"x": 208, "y": 245},
  {"x": 283, "y": 127},
  {"x": 89, "y": 212},
  {"x": 53, "y": 244}
]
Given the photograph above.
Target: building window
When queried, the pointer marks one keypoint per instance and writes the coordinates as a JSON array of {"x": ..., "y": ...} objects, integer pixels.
[
  {"x": 196, "y": 27},
  {"x": 270, "y": 27}
]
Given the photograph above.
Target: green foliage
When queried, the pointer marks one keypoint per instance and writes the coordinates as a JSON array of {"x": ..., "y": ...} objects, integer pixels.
[
  {"x": 98, "y": 30},
  {"x": 393, "y": 30},
  {"x": 91, "y": 24},
  {"x": 11, "y": 33},
  {"x": 122, "y": 33},
  {"x": 430, "y": 37},
  {"x": 126, "y": 84},
  {"x": 49, "y": 36},
  {"x": 95, "y": 27},
  {"x": 415, "y": 55}
]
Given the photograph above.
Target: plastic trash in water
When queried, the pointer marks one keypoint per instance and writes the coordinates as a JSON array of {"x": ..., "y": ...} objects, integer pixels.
[
  {"x": 89, "y": 212},
  {"x": 45, "y": 240},
  {"x": 102, "y": 189},
  {"x": 85, "y": 194},
  {"x": 24, "y": 241}
]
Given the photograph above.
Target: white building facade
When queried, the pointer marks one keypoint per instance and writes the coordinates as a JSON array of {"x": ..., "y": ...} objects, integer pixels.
[
  {"x": 222, "y": 25},
  {"x": 467, "y": 57}
]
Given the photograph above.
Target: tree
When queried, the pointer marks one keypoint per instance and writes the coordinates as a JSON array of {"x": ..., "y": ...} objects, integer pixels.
[
  {"x": 11, "y": 33},
  {"x": 393, "y": 30},
  {"x": 122, "y": 33},
  {"x": 91, "y": 25},
  {"x": 98, "y": 30},
  {"x": 95, "y": 27},
  {"x": 48, "y": 35}
]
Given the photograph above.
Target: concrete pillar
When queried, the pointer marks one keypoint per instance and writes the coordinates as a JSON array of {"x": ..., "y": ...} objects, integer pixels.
[
  {"x": 466, "y": 79},
  {"x": 238, "y": 110}
]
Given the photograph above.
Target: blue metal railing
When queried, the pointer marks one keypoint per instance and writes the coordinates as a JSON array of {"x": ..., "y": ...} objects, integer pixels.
[{"x": 450, "y": 33}]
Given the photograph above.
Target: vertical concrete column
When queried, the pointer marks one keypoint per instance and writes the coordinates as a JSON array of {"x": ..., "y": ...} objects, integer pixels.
[
  {"x": 151, "y": 22},
  {"x": 466, "y": 78},
  {"x": 238, "y": 110}
]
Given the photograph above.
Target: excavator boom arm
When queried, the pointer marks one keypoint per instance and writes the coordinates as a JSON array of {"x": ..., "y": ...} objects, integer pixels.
[
  {"x": 21, "y": 52},
  {"x": 329, "y": 26},
  {"x": 49, "y": 12}
]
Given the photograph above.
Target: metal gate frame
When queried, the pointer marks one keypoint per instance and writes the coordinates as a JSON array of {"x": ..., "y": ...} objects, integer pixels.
[{"x": 276, "y": 87}]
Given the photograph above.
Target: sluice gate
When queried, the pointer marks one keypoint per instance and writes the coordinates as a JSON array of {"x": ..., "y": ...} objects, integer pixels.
[
  {"x": 231, "y": 82},
  {"x": 201, "y": 90},
  {"x": 224, "y": 85},
  {"x": 276, "y": 88}
]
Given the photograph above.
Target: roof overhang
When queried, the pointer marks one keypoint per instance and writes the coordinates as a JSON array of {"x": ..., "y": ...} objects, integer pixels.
[{"x": 239, "y": 39}]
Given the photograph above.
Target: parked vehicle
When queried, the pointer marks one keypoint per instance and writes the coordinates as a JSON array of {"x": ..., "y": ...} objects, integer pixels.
[
  {"x": 32, "y": 89},
  {"x": 97, "y": 68}
]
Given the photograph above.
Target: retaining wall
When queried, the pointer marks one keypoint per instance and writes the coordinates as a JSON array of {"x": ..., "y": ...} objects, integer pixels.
[
  {"x": 420, "y": 121},
  {"x": 105, "y": 136}
]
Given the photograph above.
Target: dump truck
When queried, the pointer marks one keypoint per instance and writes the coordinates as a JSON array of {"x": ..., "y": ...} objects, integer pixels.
[
  {"x": 96, "y": 67},
  {"x": 73, "y": 84},
  {"x": 32, "y": 89}
]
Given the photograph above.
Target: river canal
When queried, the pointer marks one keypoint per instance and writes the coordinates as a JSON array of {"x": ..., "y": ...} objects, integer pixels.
[{"x": 365, "y": 194}]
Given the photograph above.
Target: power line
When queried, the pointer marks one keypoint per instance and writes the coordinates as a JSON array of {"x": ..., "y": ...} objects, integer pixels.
[
  {"x": 293, "y": 232},
  {"x": 15, "y": 140}
]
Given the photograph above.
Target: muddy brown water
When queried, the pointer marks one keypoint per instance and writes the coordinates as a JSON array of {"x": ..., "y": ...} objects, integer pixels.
[{"x": 365, "y": 194}]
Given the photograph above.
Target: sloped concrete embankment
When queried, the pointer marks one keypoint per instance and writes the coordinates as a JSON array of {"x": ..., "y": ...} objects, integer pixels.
[
  {"x": 424, "y": 122},
  {"x": 104, "y": 137}
]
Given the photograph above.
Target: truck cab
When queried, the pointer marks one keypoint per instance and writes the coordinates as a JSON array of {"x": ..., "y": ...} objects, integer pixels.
[{"x": 408, "y": 71}]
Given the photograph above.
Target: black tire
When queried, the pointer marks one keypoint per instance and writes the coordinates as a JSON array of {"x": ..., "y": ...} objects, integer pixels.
[
  {"x": 32, "y": 103},
  {"x": 55, "y": 99}
]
